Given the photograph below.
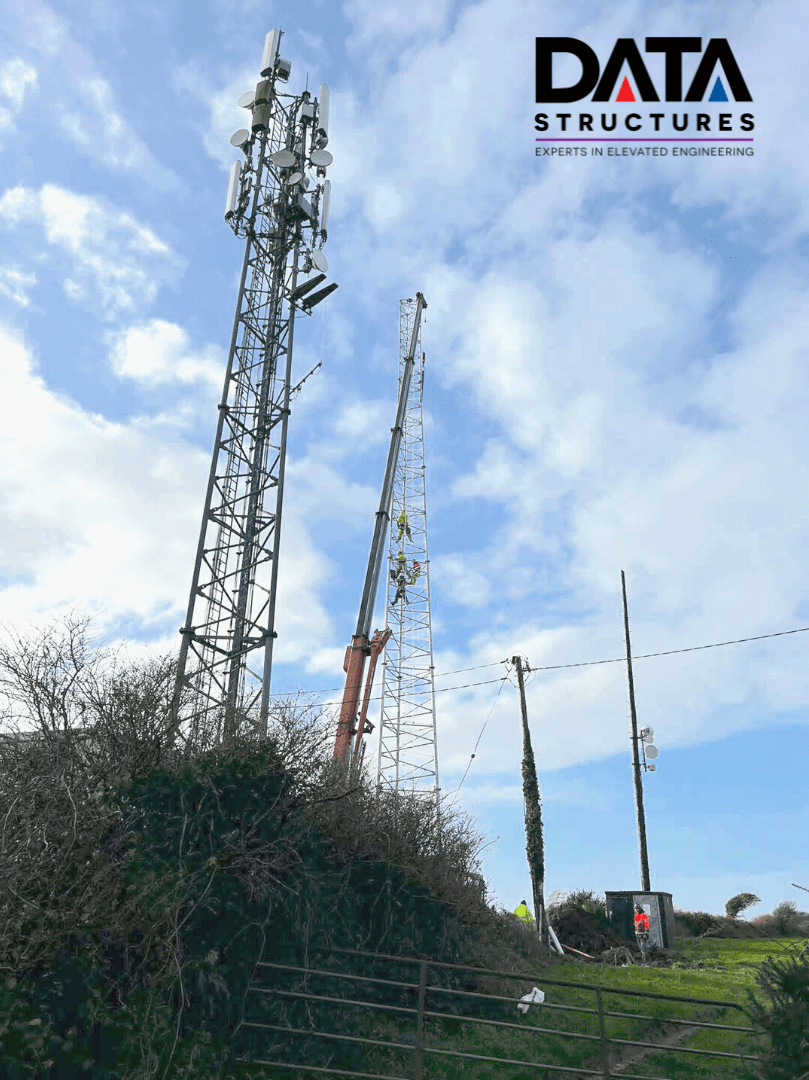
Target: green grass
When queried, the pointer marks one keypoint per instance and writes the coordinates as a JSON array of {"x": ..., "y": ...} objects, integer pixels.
[
  {"x": 736, "y": 961},
  {"x": 727, "y": 970}
]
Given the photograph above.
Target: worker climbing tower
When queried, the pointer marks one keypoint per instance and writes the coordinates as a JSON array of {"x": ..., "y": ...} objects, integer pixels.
[
  {"x": 408, "y": 753},
  {"x": 278, "y": 202}
]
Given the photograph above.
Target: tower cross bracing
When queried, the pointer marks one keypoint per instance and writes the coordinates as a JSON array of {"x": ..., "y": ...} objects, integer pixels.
[
  {"x": 408, "y": 752},
  {"x": 278, "y": 202}
]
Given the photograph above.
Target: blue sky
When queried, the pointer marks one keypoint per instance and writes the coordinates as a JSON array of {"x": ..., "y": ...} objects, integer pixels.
[{"x": 616, "y": 379}]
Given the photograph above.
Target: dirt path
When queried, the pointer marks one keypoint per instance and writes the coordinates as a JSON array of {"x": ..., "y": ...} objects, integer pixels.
[
  {"x": 668, "y": 1036},
  {"x": 665, "y": 1037}
]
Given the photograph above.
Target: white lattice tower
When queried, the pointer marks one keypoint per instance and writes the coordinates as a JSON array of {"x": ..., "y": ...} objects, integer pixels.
[{"x": 408, "y": 751}]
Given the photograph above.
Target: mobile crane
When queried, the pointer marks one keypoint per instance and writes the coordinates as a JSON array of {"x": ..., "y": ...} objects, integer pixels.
[{"x": 361, "y": 647}]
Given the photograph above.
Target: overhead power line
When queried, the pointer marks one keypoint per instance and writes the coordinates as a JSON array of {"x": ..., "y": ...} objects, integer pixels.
[
  {"x": 440, "y": 690},
  {"x": 438, "y": 675},
  {"x": 671, "y": 652},
  {"x": 559, "y": 667},
  {"x": 645, "y": 656}
]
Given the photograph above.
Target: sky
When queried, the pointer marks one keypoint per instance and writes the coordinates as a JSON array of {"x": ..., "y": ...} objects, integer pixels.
[{"x": 616, "y": 379}]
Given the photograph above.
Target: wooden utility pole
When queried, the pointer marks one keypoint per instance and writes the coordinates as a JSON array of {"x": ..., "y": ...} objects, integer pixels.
[
  {"x": 534, "y": 843},
  {"x": 644, "y": 858}
]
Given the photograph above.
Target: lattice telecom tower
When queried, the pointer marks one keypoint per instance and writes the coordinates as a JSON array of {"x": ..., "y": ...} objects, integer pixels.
[
  {"x": 278, "y": 200},
  {"x": 408, "y": 752}
]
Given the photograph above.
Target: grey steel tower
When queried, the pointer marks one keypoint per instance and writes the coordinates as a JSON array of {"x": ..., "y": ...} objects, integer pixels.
[
  {"x": 408, "y": 752},
  {"x": 278, "y": 201}
]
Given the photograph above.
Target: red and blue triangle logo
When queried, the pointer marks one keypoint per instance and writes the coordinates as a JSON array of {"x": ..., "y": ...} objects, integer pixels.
[
  {"x": 718, "y": 92},
  {"x": 625, "y": 93}
]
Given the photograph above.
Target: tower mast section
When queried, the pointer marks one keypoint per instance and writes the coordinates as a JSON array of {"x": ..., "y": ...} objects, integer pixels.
[
  {"x": 350, "y": 723},
  {"x": 408, "y": 751},
  {"x": 276, "y": 204}
]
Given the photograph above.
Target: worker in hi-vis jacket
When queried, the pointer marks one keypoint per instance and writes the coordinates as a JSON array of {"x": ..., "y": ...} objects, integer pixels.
[
  {"x": 399, "y": 568},
  {"x": 524, "y": 914},
  {"x": 404, "y": 527},
  {"x": 401, "y": 592},
  {"x": 642, "y": 929}
]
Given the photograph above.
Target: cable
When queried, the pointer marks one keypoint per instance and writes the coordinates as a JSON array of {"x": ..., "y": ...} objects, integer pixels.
[
  {"x": 323, "y": 339},
  {"x": 438, "y": 675},
  {"x": 559, "y": 667},
  {"x": 671, "y": 652},
  {"x": 378, "y": 697},
  {"x": 644, "y": 656},
  {"x": 488, "y": 718},
  {"x": 477, "y": 667},
  {"x": 550, "y": 667}
]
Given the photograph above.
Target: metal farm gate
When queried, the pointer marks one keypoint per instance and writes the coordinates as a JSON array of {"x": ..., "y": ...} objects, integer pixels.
[{"x": 342, "y": 1017}]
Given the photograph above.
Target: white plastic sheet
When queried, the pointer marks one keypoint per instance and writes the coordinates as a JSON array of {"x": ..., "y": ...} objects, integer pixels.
[{"x": 536, "y": 997}]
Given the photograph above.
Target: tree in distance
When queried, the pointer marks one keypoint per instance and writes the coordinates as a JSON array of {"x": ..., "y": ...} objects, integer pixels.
[{"x": 737, "y": 904}]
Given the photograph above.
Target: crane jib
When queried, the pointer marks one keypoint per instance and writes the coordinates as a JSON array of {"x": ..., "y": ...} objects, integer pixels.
[{"x": 383, "y": 513}]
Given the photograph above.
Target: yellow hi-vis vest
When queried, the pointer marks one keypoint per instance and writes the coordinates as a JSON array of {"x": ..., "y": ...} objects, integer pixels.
[{"x": 523, "y": 913}]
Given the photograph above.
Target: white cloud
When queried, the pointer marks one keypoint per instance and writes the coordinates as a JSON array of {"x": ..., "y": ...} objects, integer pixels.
[
  {"x": 385, "y": 205},
  {"x": 160, "y": 352},
  {"x": 567, "y": 791},
  {"x": 15, "y": 284},
  {"x": 463, "y": 578},
  {"x": 95, "y": 513},
  {"x": 17, "y": 204},
  {"x": 105, "y": 516},
  {"x": 224, "y": 115},
  {"x": 88, "y": 112},
  {"x": 438, "y": 157},
  {"x": 312, "y": 41},
  {"x": 96, "y": 126},
  {"x": 16, "y": 76},
  {"x": 386, "y": 27},
  {"x": 493, "y": 475},
  {"x": 364, "y": 422},
  {"x": 114, "y": 263}
]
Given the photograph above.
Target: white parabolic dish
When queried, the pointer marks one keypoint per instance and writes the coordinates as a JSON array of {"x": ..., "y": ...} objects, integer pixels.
[{"x": 283, "y": 159}]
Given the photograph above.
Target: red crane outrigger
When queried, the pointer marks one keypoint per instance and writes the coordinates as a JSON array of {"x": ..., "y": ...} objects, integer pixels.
[{"x": 350, "y": 722}]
